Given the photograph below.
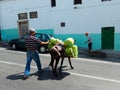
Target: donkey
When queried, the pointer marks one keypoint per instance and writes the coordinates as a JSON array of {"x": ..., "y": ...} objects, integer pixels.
[{"x": 57, "y": 52}]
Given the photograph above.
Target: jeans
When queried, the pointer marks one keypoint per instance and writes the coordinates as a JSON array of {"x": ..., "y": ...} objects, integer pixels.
[
  {"x": 90, "y": 46},
  {"x": 35, "y": 56}
]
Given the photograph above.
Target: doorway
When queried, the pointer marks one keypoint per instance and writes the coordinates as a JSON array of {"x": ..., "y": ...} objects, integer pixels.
[
  {"x": 107, "y": 38},
  {"x": 23, "y": 27}
]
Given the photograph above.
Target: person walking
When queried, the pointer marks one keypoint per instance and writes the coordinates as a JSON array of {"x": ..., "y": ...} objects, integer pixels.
[
  {"x": 32, "y": 53},
  {"x": 89, "y": 41}
]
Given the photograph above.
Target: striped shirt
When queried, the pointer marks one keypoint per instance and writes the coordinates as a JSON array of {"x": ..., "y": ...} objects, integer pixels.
[{"x": 31, "y": 43}]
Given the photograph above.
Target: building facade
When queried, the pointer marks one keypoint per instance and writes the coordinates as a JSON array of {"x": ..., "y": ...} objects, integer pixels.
[{"x": 63, "y": 19}]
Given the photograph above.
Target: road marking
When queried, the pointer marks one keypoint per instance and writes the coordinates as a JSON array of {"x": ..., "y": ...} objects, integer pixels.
[
  {"x": 95, "y": 77},
  {"x": 16, "y": 64},
  {"x": 72, "y": 73},
  {"x": 98, "y": 61}
]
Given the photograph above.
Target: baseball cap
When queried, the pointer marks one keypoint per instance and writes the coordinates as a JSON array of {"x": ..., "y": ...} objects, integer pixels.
[
  {"x": 32, "y": 30},
  {"x": 86, "y": 33}
]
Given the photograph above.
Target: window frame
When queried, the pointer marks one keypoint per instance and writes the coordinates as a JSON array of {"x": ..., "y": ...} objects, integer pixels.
[
  {"x": 33, "y": 16},
  {"x": 53, "y": 3},
  {"x": 77, "y": 2},
  {"x": 22, "y": 16},
  {"x": 105, "y": 0},
  {"x": 62, "y": 24}
]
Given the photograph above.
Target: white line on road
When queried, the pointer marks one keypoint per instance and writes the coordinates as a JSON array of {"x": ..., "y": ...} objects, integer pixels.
[
  {"x": 72, "y": 73},
  {"x": 95, "y": 77}
]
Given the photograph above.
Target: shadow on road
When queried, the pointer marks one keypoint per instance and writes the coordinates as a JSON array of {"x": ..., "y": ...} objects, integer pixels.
[
  {"x": 46, "y": 75},
  {"x": 16, "y": 76}
]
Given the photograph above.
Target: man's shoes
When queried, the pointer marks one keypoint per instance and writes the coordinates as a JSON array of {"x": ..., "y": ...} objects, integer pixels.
[{"x": 25, "y": 77}]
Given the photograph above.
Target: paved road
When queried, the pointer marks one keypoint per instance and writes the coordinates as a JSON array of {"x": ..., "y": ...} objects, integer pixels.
[{"x": 88, "y": 74}]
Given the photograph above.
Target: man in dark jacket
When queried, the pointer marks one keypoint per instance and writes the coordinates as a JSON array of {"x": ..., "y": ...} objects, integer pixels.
[{"x": 89, "y": 41}]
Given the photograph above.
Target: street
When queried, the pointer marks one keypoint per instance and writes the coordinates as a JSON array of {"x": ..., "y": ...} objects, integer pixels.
[{"x": 88, "y": 74}]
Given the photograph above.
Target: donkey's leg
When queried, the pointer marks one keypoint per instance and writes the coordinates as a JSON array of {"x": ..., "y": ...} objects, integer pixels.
[
  {"x": 51, "y": 61},
  {"x": 61, "y": 64},
  {"x": 70, "y": 63},
  {"x": 56, "y": 64},
  {"x": 52, "y": 64}
]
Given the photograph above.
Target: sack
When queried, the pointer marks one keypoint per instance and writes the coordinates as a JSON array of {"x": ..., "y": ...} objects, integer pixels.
[{"x": 57, "y": 50}]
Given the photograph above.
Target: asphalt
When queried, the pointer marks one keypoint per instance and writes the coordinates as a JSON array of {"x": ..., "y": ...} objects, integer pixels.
[{"x": 82, "y": 51}]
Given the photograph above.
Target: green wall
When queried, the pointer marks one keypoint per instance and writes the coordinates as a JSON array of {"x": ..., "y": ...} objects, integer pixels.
[
  {"x": 96, "y": 38},
  {"x": 8, "y": 34},
  {"x": 117, "y": 42},
  {"x": 81, "y": 38}
]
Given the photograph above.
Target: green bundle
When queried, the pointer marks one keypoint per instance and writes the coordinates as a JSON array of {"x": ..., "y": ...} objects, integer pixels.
[
  {"x": 69, "y": 42},
  {"x": 69, "y": 52},
  {"x": 53, "y": 41},
  {"x": 75, "y": 50}
]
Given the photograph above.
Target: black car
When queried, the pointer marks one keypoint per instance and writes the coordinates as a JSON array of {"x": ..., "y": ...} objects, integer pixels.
[{"x": 19, "y": 43}]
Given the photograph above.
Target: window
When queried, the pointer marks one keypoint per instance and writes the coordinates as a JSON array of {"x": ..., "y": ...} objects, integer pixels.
[
  {"x": 77, "y": 2},
  {"x": 62, "y": 24},
  {"x": 22, "y": 16},
  {"x": 53, "y": 3},
  {"x": 105, "y": 0},
  {"x": 33, "y": 14}
]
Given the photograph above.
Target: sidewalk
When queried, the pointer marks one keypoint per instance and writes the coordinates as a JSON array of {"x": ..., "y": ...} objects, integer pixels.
[{"x": 110, "y": 53}]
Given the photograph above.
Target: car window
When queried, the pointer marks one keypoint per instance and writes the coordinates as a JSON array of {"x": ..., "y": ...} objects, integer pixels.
[
  {"x": 39, "y": 36},
  {"x": 44, "y": 37},
  {"x": 25, "y": 36}
]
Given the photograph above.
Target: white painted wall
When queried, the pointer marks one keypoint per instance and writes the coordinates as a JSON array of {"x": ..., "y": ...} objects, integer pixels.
[
  {"x": 89, "y": 16},
  {"x": 10, "y": 10},
  {"x": 0, "y": 16}
]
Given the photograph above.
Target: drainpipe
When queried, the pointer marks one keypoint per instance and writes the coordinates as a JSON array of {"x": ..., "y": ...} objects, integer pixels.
[{"x": 0, "y": 21}]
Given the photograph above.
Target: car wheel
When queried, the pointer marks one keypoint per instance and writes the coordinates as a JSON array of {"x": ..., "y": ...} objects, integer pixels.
[
  {"x": 14, "y": 46},
  {"x": 42, "y": 49}
]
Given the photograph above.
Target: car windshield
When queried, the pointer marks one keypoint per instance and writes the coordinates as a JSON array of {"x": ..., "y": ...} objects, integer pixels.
[
  {"x": 42, "y": 37},
  {"x": 26, "y": 35}
]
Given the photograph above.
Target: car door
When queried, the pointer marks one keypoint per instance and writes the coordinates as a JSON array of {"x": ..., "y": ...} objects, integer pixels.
[{"x": 21, "y": 41}]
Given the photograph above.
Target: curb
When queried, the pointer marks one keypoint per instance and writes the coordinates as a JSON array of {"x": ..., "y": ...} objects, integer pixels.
[{"x": 110, "y": 53}]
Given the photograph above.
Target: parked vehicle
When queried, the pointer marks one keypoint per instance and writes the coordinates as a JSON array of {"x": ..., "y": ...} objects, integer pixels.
[{"x": 19, "y": 43}]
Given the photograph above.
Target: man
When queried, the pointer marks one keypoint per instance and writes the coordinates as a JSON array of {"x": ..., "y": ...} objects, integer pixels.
[
  {"x": 32, "y": 53},
  {"x": 89, "y": 41}
]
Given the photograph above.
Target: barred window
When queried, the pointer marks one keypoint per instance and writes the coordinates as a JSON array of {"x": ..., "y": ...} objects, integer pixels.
[
  {"x": 53, "y": 3},
  {"x": 33, "y": 14},
  {"x": 22, "y": 16},
  {"x": 62, "y": 24},
  {"x": 77, "y": 2},
  {"x": 105, "y": 0}
]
